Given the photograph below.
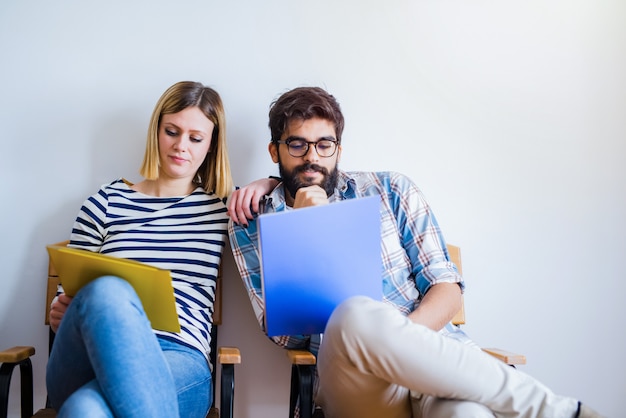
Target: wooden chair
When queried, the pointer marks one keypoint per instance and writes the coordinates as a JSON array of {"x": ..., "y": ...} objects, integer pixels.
[
  {"x": 226, "y": 357},
  {"x": 303, "y": 362},
  {"x": 20, "y": 357}
]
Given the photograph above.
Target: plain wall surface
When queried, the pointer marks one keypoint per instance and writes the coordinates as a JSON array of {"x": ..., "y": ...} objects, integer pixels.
[{"x": 510, "y": 116}]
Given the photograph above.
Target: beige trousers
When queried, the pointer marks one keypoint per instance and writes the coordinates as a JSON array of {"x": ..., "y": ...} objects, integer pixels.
[{"x": 373, "y": 361}]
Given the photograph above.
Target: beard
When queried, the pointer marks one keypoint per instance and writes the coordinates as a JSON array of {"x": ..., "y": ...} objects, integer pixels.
[{"x": 292, "y": 181}]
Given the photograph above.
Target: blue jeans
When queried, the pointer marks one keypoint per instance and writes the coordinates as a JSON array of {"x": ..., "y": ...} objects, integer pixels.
[{"x": 106, "y": 361}]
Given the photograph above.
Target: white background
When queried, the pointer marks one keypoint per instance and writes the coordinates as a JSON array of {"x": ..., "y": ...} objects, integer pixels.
[{"x": 510, "y": 116}]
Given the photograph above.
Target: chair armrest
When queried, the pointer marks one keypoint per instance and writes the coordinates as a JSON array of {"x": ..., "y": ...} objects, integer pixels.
[
  {"x": 228, "y": 355},
  {"x": 506, "y": 356},
  {"x": 16, "y": 354},
  {"x": 301, "y": 357}
]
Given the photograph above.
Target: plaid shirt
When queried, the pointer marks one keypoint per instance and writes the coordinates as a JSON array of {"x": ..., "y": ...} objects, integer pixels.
[{"x": 414, "y": 253}]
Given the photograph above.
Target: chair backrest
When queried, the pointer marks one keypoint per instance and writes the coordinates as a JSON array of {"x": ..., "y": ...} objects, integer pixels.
[
  {"x": 53, "y": 283},
  {"x": 455, "y": 256}
]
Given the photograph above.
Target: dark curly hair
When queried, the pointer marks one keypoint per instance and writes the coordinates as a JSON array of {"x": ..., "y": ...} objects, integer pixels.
[{"x": 304, "y": 103}]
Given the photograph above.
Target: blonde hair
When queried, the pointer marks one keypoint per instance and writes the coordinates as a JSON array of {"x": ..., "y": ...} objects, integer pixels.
[{"x": 214, "y": 174}]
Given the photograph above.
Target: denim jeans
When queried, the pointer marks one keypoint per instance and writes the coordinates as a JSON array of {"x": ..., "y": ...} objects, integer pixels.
[{"x": 106, "y": 361}]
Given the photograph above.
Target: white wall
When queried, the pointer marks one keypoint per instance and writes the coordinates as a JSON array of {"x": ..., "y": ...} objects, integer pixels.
[{"x": 509, "y": 115}]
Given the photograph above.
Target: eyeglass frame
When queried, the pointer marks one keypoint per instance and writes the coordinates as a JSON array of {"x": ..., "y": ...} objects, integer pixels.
[{"x": 308, "y": 145}]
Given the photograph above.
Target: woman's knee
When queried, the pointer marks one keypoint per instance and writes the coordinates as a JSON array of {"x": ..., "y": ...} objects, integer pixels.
[
  {"x": 106, "y": 288},
  {"x": 106, "y": 295}
]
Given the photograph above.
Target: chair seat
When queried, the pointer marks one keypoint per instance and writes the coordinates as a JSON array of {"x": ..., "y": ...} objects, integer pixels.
[{"x": 45, "y": 413}]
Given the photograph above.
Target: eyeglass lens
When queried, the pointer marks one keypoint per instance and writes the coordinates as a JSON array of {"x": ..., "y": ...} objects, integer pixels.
[{"x": 299, "y": 148}]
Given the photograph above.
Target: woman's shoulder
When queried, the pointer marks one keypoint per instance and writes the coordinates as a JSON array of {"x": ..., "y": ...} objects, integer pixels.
[{"x": 117, "y": 184}]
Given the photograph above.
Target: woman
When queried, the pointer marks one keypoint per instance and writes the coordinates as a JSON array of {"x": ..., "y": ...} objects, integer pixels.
[{"x": 106, "y": 359}]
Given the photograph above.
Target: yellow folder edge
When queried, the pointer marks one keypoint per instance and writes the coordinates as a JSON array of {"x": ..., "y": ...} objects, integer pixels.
[{"x": 77, "y": 267}]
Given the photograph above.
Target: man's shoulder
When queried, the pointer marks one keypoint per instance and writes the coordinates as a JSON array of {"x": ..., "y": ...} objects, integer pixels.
[
  {"x": 274, "y": 202},
  {"x": 388, "y": 180},
  {"x": 376, "y": 174}
]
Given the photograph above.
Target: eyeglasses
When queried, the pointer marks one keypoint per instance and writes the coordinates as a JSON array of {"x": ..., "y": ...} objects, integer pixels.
[{"x": 299, "y": 147}]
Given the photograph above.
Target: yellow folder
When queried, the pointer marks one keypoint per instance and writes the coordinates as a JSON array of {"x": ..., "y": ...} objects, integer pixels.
[{"x": 77, "y": 267}]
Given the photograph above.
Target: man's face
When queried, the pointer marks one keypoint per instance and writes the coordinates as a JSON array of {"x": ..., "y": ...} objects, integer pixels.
[{"x": 311, "y": 168}]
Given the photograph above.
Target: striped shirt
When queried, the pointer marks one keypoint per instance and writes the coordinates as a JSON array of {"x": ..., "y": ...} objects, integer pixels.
[
  {"x": 185, "y": 235},
  {"x": 414, "y": 253}
]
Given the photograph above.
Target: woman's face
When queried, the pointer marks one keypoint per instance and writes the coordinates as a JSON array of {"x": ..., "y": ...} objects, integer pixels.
[{"x": 184, "y": 141}]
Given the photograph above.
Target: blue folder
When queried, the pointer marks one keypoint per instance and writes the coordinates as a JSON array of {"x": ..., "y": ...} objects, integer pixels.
[{"x": 314, "y": 258}]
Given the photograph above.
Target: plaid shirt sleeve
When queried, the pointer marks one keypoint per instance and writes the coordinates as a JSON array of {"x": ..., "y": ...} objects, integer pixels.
[
  {"x": 421, "y": 236},
  {"x": 413, "y": 251}
]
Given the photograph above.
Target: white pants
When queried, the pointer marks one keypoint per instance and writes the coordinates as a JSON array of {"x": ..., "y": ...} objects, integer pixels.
[{"x": 373, "y": 358}]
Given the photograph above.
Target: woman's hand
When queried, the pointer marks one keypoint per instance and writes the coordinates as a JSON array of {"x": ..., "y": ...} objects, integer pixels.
[
  {"x": 57, "y": 310},
  {"x": 244, "y": 202}
]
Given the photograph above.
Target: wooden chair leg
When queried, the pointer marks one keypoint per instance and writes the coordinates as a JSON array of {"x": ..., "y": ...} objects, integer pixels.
[
  {"x": 26, "y": 387},
  {"x": 293, "y": 390},
  {"x": 302, "y": 390},
  {"x": 227, "y": 394}
]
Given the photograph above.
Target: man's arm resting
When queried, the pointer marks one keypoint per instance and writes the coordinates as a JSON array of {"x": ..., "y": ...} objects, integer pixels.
[{"x": 438, "y": 307}]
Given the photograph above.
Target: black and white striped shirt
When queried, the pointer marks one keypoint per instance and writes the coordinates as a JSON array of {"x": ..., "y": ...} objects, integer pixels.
[{"x": 185, "y": 235}]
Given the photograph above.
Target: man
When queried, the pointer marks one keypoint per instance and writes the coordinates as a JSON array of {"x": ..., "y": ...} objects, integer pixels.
[{"x": 400, "y": 357}]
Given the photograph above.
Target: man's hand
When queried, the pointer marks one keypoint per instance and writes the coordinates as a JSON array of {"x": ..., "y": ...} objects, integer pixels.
[
  {"x": 310, "y": 196},
  {"x": 57, "y": 310}
]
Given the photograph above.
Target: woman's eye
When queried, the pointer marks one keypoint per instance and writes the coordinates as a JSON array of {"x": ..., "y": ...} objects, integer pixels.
[
  {"x": 170, "y": 132},
  {"x": 194, "y": 139}
]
